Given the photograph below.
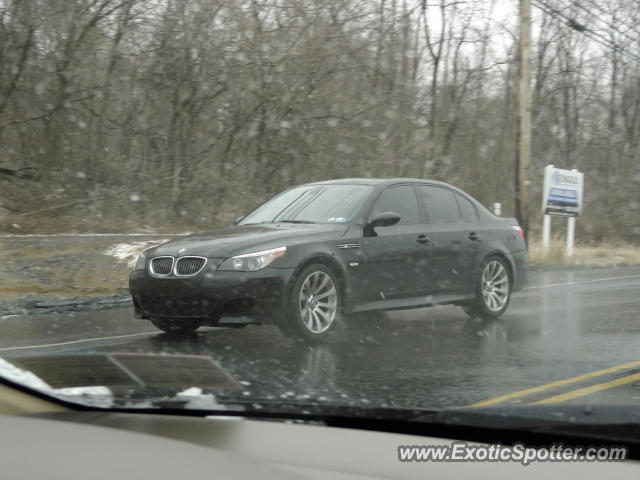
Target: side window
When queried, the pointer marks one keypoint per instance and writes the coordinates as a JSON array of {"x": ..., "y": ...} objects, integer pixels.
[
  {"x": 467, "y": 209},
  {"x": 400, "y": 200},
  {"x": 440, "y": 204}
]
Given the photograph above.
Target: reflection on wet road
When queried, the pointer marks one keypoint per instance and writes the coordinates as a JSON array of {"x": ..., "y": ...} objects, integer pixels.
[{"x": 566, "y": 324}]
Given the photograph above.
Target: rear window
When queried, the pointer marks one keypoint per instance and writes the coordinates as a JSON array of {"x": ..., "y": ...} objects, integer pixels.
[
  {"x": 440, "y": 204},
  {"x": 467, "y": 209}
]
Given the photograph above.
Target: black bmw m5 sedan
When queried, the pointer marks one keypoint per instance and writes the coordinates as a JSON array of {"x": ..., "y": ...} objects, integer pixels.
[{"x": 319, "y": 253}]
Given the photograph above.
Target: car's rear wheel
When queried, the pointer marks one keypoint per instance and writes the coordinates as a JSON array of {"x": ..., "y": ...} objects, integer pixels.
[
  {"x": 493, "y": 289},
  {"x": 313, "y": 306},
  {"x": 176, "y": 327}
]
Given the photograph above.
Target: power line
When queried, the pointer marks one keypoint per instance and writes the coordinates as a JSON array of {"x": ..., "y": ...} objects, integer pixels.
[
  {"x": 593, "y": 3},
  {"x": 576, "y": 25},
  {"x": 608, "y": 24},
  {"x": 589, "y": 33},
  {"x": 572, "y": 23}
]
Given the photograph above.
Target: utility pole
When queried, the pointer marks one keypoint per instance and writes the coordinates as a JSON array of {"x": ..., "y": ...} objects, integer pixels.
[{"x": 523, "y": 151}]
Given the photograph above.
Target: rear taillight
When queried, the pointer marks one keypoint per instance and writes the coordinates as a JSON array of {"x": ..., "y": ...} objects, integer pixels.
[{"x": 520, "y": 232}]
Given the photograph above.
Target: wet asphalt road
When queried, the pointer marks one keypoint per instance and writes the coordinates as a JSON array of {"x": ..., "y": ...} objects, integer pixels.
[{"x": 565, "y": 323}]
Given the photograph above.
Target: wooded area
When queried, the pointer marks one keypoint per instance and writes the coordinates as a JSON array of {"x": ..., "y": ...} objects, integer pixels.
[{"x": 170, "y": 114}]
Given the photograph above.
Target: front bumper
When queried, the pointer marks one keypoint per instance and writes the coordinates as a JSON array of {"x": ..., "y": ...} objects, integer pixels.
[{"x": 211, "y": 294}]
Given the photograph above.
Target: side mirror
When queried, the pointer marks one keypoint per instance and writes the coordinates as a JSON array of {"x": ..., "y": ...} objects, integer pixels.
[
  {"x": 384, "y": 219},
  {"x": 238, "y": 220}
]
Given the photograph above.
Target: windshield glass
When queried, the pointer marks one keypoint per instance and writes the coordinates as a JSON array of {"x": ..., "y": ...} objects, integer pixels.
[
  {"x": 393, "y": 205},
  {"x": 312, "y": 204}
]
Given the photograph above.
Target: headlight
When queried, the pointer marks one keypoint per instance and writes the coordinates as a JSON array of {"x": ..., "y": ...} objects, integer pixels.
[
  {"x": 140, "y": 263},
  {"x": 250, "y": 262}
]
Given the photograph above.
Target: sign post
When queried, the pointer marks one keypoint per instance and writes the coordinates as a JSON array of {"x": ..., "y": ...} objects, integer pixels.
[
  {"x": 571, "y": 228},
  {"x": 546, "y": 232},
  {"x": 561, "y": 196}
]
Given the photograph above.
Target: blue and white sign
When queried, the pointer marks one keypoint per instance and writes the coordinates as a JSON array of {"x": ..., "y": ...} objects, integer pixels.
[{"x": 562, "y": 192}]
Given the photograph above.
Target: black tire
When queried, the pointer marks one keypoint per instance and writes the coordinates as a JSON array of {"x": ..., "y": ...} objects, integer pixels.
[
  {"x": 291, "y": 322},
  {"x": 481, "y": 307},
  {"x": 176, "y": 327}
]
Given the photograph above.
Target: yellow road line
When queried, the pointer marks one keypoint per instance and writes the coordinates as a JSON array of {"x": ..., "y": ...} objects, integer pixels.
[
  {"x": 559, "y": 383},
  {"x": 591, "y": 389}
]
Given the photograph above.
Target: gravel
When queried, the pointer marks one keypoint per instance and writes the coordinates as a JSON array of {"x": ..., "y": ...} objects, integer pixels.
[{"x": 32, "y": 305}]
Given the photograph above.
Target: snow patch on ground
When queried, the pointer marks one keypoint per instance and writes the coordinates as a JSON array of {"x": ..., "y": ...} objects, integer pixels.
[
  {"x": 197, "y": 399},
  {"x": 23, "y": 377},
  {"x": 128, "y": 252},
  {"x": 99, "y": 396}
]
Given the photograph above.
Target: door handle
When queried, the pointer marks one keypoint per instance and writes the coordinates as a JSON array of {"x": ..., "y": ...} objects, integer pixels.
[
  {"x": 423, "y": 239},
  {"x": 474, "y": 236}
]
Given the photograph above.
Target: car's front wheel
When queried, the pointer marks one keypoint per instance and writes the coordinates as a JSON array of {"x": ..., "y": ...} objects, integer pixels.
[
  {"x": 176, "y": 327},
  {"x": 314, "y": 305},
  {"x": 493, "y": 289}
]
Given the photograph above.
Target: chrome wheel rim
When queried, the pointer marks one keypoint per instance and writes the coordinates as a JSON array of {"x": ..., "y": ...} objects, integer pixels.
[
  {"x": 495, "y": 286},
  {"x": 318, "y": 302}
]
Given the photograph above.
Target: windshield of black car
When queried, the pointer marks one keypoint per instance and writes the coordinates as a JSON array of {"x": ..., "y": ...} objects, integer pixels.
[{"x": 312, "y": 204}]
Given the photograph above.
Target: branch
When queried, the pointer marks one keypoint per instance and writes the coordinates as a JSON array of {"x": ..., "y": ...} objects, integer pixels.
[
  {"x": 24, "y": 172},
  {"x": 55, "y": 207}
]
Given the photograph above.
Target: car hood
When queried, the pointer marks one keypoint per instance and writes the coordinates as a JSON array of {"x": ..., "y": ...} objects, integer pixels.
[{"x": 247, "y": 238}]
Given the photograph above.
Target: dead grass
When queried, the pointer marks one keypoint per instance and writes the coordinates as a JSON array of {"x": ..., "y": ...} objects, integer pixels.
[
  {"x": 65, "y": 282},
  {"x": 60, "y": 267},
  {"x": 601, "y": 255},
  {"x": 84, "y": 223}
]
